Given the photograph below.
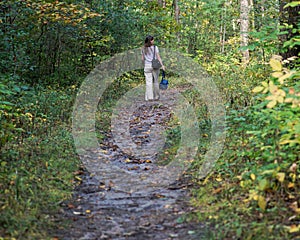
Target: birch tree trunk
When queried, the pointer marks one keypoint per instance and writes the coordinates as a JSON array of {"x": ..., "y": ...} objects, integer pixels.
[{"x": 244, "y": 16}]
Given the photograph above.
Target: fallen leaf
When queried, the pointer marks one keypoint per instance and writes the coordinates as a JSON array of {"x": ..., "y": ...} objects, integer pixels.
[
  {"x": 293, "y": 228},
  {"x": 71, "y": 206},
  {"x": 77, "y": 213},
  {"x": 78, "y": 178},
  {"x": 263, "y": 184},
  {"x": 262, "y": 203},
  {"x": 217, "y": 190},
  {"x": 219, "y": 179},
  {"x": 280, "y": 176}
]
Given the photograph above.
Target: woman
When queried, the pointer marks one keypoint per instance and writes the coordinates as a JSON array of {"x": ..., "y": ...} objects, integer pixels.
[{"x": 151, "y": 75}]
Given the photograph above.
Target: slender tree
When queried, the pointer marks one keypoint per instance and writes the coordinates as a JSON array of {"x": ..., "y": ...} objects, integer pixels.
[{"x": 244, "y": 18}]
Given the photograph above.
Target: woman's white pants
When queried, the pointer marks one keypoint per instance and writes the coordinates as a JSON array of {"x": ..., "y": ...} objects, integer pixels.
[{"x": 152, "y": 84}]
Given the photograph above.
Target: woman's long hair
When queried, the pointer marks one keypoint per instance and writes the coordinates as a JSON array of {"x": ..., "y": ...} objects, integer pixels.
[{"x": 147, "y": 44}]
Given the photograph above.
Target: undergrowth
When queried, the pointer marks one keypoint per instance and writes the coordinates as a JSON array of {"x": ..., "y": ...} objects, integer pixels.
[
  {"x": 38, "y": 163},
  {"x": 253, "y": 191}
]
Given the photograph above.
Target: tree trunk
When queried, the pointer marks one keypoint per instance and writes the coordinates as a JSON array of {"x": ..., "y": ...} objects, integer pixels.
[
  {"x": 176, "y": 9},
  {"x": 223, "y": 29},
  {"x": 244, "y": 15},
  {"x": 162, "y": 3}
]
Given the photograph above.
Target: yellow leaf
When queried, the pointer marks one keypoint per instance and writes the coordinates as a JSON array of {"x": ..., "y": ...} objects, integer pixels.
[
  {"x": 253, "y": 195},
  {"x": 258, "y": 89},
  {"x": 277, "y": 74},
  {"x": 280, "y": 176},
  {"x": 280, "y": 99},
  {"x": 294, "y": 207},
  {"x": 271, "y": 104},
  {"x": 271, "y": 98},
  {"x": 242, "y": 184},
  {"x": 284, "y": 141},
  {"x": 271, "y": 84},
  {"x": 285, "y": 76},
  {"x": 78, "y": 178},
  {"x": 265, "y": 84},
  {"x": 293, "y": 176},
  {"x": 276, "y": 65},
  {"x": 296, "y": 104},
  {"x": 219, "y": 179},
  {"x": 239, "y": 177},
  {"x": 290, "y": 196},
  {"x": 294, "y": 228},
  {"x": 288, "y": 100},
  {"x": 280, "y": 92},
  {"x": 252, "y": 176},
  {"x": 291, "y": 185},
  {"x": 273, "y": 88},
  {"x": 262, "y": 203},
  {"x": 266, "y": 90}
]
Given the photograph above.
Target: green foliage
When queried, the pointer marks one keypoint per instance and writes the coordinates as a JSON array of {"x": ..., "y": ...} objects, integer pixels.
[
  {"x": 8, "y": 111},
  {"x": 254, "y": 189},
  {"x": 257, "y": 178},
  {"x": 35, "y": 177},
  {"x": 37, "y": 157}
]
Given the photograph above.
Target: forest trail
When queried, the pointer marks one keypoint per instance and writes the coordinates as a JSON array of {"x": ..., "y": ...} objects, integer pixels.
[{"x": 101, "y": 210}]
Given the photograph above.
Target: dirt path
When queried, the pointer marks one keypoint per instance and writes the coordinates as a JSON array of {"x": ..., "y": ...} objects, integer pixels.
[{"x": 106, "y": 209}]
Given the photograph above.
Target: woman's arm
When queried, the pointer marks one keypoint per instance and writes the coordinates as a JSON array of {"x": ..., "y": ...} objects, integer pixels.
[
  {"x": 159, "y": 59},
  {"x": 143, "y": 57}
]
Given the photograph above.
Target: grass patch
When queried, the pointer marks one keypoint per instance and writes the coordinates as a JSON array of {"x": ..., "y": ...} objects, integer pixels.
[{"x": 36, "y": 176}]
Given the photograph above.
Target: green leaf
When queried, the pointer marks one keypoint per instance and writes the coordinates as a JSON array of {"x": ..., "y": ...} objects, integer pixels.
[
  {"x": 263, "y": 184},
  {"x": 292, "y": 4}
]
